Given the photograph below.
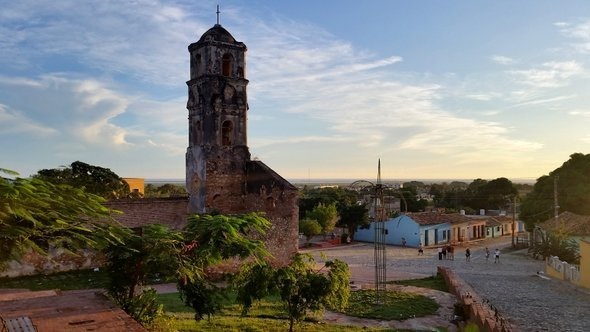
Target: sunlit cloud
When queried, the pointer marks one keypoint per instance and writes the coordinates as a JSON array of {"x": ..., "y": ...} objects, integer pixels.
[{"x": 580, "y": 112}]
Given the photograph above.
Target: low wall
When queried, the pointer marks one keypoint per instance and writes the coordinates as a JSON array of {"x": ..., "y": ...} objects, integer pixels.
[
  {"x": 57, "y": 260},
  {"x": 280, "y": 240},
  {"x": 558, "y": 269},
  {"x": 483, "y": 314}
]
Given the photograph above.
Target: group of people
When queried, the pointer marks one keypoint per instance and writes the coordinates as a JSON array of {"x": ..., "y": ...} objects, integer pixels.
[
  {"x": 487, "y": 254},
  {"x": 496, "y": 255},
  {"x": 446, "y": 252}
]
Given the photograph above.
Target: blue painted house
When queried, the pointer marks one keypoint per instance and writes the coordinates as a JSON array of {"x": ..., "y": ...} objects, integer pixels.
[{"x": 428, "y": 228}]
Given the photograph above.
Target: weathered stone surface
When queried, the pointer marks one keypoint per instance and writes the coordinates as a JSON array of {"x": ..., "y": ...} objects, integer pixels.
[{"x": 219, "y": 173}]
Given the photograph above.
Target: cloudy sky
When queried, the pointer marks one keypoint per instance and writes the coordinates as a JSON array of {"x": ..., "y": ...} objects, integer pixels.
[{"x": 435, "y": 89}]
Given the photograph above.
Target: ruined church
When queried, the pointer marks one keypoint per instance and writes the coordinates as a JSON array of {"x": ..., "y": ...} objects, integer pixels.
[{"x": 220, "y": 175}]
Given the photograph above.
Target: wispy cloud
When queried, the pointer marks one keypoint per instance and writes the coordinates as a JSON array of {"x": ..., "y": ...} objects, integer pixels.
[
  {"x": 579, "y": 31},
  {"x": 146, "y": 39},
  {"x": 503, "y": 60},
  {"x": 550, "y": 74},
  {"x": 14, "y": 122}
]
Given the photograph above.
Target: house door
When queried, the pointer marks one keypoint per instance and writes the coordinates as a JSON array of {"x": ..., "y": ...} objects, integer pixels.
[
  {"x": 426, "y": 238},
  {"x": 436, "y": 236}
]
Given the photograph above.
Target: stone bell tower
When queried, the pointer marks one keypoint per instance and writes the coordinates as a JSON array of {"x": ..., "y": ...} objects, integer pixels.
[
  {"x": 217, "y": 105},
  {"x": 220, "y": 177}
]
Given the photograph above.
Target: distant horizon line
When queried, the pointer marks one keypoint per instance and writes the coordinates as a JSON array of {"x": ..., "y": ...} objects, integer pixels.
[{"x": 351, "y": 180}]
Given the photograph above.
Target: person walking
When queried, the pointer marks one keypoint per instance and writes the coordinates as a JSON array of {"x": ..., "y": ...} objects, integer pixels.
[
  {"x": 444, "y": 252},
  {"x": 451, "y": 252},
  {"x": 439, "y": 253},
  {"x": 420, "y": 250},
  {"x": 487, "y": 254},
  {"x": 467, "y": 255},
  {"x": 497, "y": 256}
]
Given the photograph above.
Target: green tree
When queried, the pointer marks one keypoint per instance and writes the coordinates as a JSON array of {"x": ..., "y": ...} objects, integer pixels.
[
  {"x": 309, "y": 228},
  {"x": 310, "y": 198},
  {"x": 93, "y": 179},
  {"x": 303, "y": 289},
  {"x": 354, "y": 216},
  {"x": 573, "y": 191},
  {"x": 325, "y": 215},
  {"x": 498, "y": 193},
  {"x": 36, "y": 214},
  {"x": 152, "y": 250},
  {"x": 558, "y": 244},
  {"x": 165, "y": 190},
  {"x": 215, "y": 239}
]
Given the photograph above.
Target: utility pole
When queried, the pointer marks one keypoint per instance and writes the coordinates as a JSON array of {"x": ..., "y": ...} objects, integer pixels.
[
  {"x": 513, "y": 220},
  {"x": 555, "y": 204}
]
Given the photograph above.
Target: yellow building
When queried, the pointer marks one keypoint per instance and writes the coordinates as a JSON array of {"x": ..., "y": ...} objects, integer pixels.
[{"x": 136, "y": 185}]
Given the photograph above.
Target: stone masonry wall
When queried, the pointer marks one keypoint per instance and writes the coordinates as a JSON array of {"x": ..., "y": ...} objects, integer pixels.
[
  {"x": 281, "y": 239},
  {"x": 479, "y": 312}
]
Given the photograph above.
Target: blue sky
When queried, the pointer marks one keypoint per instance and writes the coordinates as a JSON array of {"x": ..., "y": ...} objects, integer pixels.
[{"x": 435, "y": 89}]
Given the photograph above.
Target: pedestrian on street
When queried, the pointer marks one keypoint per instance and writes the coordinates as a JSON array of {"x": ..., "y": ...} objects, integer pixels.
[
  {"x": 451, "y": 251},
  {"x": 497, "y": 256},
  {"x": 487, "y": 254},
  {"x": 467, "y": 255},
  {"x": 439, "y": 253},
  {"x": 420, "y": 250},
  {"x": 444, "y": 252}
]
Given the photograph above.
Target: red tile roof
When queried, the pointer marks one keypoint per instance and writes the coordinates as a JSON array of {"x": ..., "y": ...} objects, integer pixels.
[
  {"x": 574, "y": 224},
  {"x": 433, "y": 218}
]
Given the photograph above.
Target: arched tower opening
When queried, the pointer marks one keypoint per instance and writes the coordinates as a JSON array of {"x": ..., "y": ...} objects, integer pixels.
[
  {"x": 226, "y": 133},
  {"x": 226, "y": 65}
]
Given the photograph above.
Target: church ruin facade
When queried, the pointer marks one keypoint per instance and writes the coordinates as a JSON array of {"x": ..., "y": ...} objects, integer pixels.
[{"x": 220, "y": 175}]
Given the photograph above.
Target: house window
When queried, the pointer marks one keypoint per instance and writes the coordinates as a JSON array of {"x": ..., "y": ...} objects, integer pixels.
[
  {"x": 226, "y": 65},
  {"x": 226, "y": 133}
]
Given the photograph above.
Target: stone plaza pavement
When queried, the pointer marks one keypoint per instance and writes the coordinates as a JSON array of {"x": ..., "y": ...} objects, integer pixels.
[{"x": 529, "y": 301}]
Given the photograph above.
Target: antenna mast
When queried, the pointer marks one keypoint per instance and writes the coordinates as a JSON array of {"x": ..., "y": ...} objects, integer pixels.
[{"x": 380, "y": 232}]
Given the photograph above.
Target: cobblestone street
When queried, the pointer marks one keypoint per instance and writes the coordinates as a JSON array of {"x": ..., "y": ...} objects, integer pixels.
[{"x": 530, "y": 302}]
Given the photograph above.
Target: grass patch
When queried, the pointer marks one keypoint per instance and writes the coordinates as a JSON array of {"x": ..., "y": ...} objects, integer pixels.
[
  {"x": 268, "y": 314},
  {"x": 436, "y": 282},
  {"x": 71, "y": 280},
  {"x": 394, "y": 305},
  {"x": 249, "y": 324}
]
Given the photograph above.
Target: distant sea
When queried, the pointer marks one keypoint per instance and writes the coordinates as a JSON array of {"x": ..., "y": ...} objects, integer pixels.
[{"x": 345, "y": 182}]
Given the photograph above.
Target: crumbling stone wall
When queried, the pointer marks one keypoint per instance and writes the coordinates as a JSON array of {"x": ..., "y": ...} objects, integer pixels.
[
  {"x": 280, "y": 240},
  {"x": 478, "y": 312}
]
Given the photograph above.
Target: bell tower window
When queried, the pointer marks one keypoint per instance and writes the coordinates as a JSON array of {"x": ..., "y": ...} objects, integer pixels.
[
  {"x": 226, "y": 64},
  {"x": 226, "y": 133},
  {"x": 197, "y": 132},
  {"x": 198, "y": 70}
]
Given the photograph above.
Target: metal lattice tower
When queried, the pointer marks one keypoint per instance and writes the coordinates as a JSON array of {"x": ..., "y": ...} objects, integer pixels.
[
  {"x": 380, "y": 232},
  {"x": 378, "y": 216}
]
